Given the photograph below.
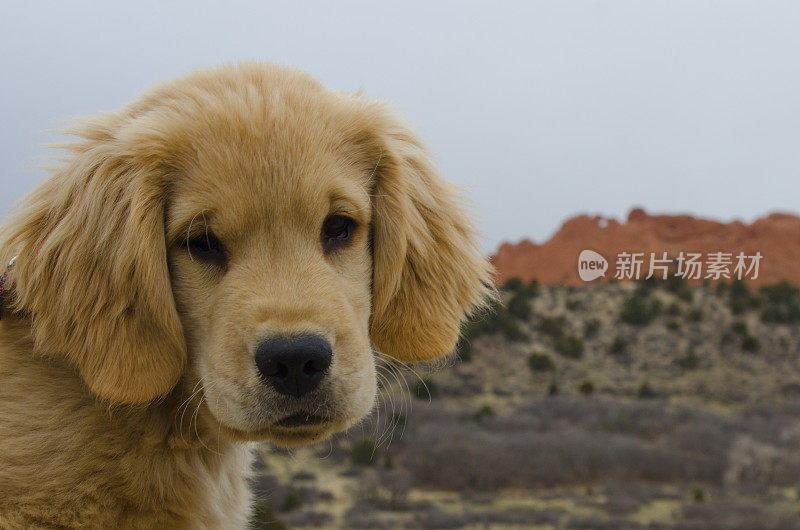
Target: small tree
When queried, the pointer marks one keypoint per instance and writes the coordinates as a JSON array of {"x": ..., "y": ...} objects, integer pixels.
[
  {"x": 645, "y": 392},
  {"x": 639, "y": 310},
  {"x": 573, "y": 304},
  {"x": 519, "y": 307},
  {"x": 590, "y": 328},
  {"x": 618, "y": 346},
  {"x": 750, "y": 344},
  {"x": 513, "y": 284},
  {"x": 292, "y": 501},
  {"x": 532, "y": 289},
  {"x": 695, "y": 314},
  {"x": 426, "y": 388},
  {"x": 569, "y": 346},
  {"x": 264, "y": 518},
  {"x": 364, "y": 452},
  {"x": 540, "y": 362},
  {"x": 484, "y": 412},
  {"x": 552, "y": 325},
  {"x": 739, "y": 327},
  {"x": 690, "y": 361},
  {"x": 464, "y": 349},
  {"x": 781, "y": 303}
]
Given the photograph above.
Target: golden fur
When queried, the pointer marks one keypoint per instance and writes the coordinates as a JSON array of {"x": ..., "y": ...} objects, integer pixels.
[{"x": 128, "y": 390}]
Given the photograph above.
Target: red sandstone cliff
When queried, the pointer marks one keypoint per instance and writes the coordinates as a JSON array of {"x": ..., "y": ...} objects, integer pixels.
[{"x": 776, "y": 237}]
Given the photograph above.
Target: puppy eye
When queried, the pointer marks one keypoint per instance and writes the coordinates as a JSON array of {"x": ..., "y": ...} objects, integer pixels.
[
  {"x": 337, "y": 230},
  {"x": 206, "y": 247}
]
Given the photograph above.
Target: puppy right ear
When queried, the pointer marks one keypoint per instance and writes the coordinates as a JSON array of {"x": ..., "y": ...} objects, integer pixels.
[{"x": 91, "y": 271}]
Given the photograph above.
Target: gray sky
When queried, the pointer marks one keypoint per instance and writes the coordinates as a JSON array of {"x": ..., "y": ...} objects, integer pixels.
[{"x": 541, "y": 109}]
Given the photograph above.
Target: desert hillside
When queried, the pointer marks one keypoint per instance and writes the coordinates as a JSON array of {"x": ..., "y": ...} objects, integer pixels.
[
  {"x": 644, "y": 405},
  {"x": 776, "y": 237}
]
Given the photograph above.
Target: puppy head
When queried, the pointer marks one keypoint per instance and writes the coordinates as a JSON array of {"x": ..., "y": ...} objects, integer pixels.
[{"x": 253, "y": 235}]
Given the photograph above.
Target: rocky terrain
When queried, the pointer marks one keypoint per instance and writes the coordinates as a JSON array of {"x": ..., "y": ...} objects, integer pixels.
[
  {"x": 776, "y": 237},
  {"x": 621, "y": 406}
]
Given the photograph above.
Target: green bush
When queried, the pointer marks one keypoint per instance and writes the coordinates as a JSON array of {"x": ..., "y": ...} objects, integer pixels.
[
  {"x": 738, "y": 305},
  {"x": 573, "y": 304},
  {"x": 739, "y": 327},
  {"x": 484, "y": 322},
  {"x": 646, "y": 285},
  {"x": 426, "y": 388},
  {"x": 680, "y": 286},
  {"x": 590, "y": 328},
  {"x": 673, "y": 324},
  {"x": 292, "y": 501},
  {"x": 673, "y": 309},
  {"x": 618, "y": 346},
  {"x": 586, "y": 388},
  {"x": 750, "y": 344},
  {"x": 636, "y": 310},
  {"x": 698, "y": 495},
  {"x": 639, "y": 310},
  {"x": 541, "y": 362},
  {"x": 532, "y": 289},
  {"x": 690, "y": 361},
  {"x": 519, "y": 307},
  {"x": 656, "y": 306},
  {"x": 674, "y": 283},
  {"x": 397, "y": 420},
  {"x": 496, "y": 319},
  {"x": 484, "y": 412},
  {"x": 552, "y": 389},
  {"x": 264, "y": 518},
  {"x": 685, "y": 293},
  {"x": 527, "y": 291},
  {"x": 569, "y": 346},
  {"x": 645, "y": 391},
  {"x": 695, "y": 314},
  {"x": 740, "y": 297},
  {"x": 513, "y": 284},
  {"x": 553, "y": 326},
  {"x": 464, "y": 349},
  {"x": 738, "y": 289},
  {"x": 781, "y": 303},
  {"x": 513, "y": 332},
  {"x": 364, "y": 452}
]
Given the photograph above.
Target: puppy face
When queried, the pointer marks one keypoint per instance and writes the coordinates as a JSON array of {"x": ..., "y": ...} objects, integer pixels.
[
  {"x": 246, "y": 235},
  {"x": 274, "y": 245}
]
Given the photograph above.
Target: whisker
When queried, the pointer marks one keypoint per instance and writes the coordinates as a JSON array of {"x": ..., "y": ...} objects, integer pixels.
[
  {"x": 185, "y": 405},
  {"x": 404, "y": 397}
]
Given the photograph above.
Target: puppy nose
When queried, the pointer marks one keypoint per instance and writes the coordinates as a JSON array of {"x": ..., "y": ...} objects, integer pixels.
[{"x": 293, "y": 365}]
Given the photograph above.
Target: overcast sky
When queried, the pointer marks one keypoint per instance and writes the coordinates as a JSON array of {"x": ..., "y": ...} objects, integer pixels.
[{"x": 541, "y": 109}]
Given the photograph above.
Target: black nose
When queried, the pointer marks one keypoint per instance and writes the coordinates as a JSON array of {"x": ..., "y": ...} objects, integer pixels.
[{"x": 293, "y": 365}]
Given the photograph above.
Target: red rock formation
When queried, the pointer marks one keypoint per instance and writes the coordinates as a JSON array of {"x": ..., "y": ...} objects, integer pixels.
[{"x": 776, "y": 237}]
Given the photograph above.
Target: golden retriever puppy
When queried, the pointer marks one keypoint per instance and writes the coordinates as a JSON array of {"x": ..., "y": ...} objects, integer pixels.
[{"x": 213, "y": 265}]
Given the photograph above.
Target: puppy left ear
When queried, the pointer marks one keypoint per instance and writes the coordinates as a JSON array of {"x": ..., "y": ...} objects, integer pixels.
[
  {"x": 91, "y": 272},
  {"x": 429, "y": 273}
]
